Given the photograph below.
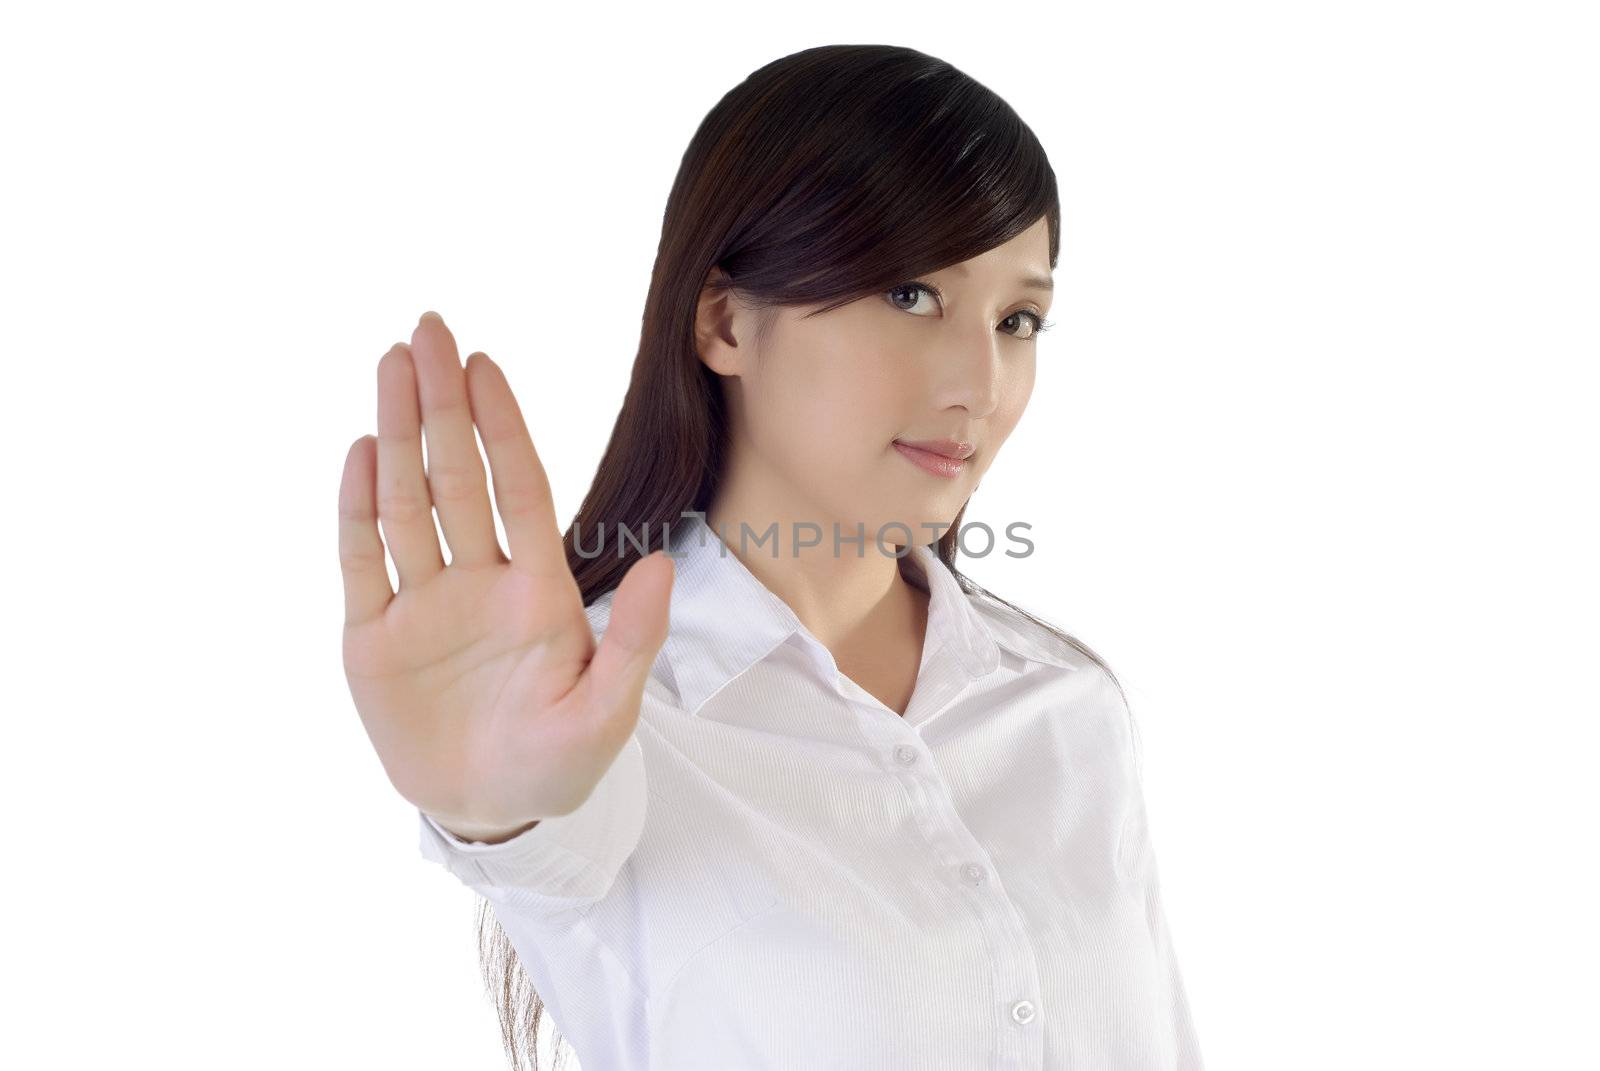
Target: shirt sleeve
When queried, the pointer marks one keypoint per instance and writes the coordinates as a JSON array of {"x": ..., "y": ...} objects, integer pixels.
[
  {"x": 1139, "y": 857},
  {"x": 565, "y": 861}
]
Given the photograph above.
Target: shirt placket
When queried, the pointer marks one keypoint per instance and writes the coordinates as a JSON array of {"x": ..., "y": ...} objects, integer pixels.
[{"x": 1019, "y": 1041}]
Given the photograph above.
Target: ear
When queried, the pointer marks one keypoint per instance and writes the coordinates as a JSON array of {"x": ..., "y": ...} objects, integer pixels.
[{"x": 720, "y": 322}]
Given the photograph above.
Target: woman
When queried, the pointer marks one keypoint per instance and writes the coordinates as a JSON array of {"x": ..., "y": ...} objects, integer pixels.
[{"x": 744, "y": 788}]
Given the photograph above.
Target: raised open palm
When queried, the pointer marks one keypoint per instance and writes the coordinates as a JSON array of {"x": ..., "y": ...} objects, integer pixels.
[{"x": 479, "y": 682}]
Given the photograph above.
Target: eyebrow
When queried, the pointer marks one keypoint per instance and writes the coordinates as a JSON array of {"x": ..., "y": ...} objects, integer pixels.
[{"x": 1035, "y": 282}]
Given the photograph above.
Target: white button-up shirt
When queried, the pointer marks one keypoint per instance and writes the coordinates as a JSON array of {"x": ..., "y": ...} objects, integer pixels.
[{"x": 779, "y": 871}]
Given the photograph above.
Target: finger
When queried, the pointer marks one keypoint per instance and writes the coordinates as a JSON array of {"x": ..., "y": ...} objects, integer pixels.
[
  {"x": 521, "y": 486},
  {"x": 405, "y": 508},
  {"x": 634, "y": 634},
  {"x": 455, "y": 471},
  {"x": 366, "y": 579}
]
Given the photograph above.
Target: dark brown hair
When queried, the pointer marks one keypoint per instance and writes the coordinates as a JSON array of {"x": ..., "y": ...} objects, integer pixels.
[{"x": 828, "y": 175}]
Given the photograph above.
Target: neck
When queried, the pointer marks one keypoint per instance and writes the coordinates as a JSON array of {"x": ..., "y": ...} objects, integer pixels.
[{"x": 844, "y": 598}]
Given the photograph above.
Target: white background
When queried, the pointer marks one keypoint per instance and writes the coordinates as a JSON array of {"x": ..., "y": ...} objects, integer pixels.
[{"x": 1311, "y": 461}]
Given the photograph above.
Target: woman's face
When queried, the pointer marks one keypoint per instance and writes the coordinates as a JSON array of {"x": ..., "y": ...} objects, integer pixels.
[{"x": 818, "y": 405}]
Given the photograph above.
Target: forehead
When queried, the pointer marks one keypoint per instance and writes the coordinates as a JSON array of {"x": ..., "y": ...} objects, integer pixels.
[{"x": 1025, "y": 258}]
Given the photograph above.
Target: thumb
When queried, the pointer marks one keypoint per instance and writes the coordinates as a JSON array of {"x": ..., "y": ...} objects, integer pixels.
[{"x": 634, "y": 634}]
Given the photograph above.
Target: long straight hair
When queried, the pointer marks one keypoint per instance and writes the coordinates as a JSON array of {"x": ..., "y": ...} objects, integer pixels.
[{"x": 828, "y": 175}]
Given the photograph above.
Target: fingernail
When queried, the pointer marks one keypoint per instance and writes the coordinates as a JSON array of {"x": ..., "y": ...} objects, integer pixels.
[{"x": 429, "y": 313}]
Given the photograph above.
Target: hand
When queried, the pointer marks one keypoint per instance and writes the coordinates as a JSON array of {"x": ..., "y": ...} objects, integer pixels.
[{"x": 479, "y": 683}]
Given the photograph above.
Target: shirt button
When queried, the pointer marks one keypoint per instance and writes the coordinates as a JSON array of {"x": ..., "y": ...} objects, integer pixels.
[
  {"x": 905, "y": 754},
  {"x": 1022, "y": 1011},
  {"x": 973, "y": 873}
]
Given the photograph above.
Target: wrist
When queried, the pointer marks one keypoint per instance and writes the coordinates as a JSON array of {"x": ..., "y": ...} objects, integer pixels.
[{"x": 481, "y": 834}]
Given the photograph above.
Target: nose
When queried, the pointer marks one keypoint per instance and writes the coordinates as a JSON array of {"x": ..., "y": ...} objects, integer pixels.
[{"x": 970, "y": 371}]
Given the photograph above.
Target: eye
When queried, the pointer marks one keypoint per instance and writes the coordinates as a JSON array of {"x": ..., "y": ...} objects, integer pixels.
[
  {"x": 1035, "y": 323},
  {"x": 906, "y": 296},
  {"x": 912, "y": 289}
]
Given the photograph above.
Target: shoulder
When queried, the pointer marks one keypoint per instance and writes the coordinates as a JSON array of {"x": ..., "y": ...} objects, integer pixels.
[
  {"x": 1092, "y": 684},
  {"x": 1028, "y": 638}
]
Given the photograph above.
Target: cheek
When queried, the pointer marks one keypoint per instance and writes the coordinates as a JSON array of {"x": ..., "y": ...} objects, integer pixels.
[
  {"x": 1009, "y": 406},
  {"x": 823, "y": 416},
  {"x": 1015, "y": 391},
  {"x": 839, "y": 390}
]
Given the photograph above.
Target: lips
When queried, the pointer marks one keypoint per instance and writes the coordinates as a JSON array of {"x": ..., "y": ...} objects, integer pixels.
[
  {"x": 937, "y": 462},
  {"x": 952, "y": 448}
]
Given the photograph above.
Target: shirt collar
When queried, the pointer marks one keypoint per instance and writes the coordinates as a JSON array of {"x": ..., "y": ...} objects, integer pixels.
[{"x": 724, "y": 620}]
